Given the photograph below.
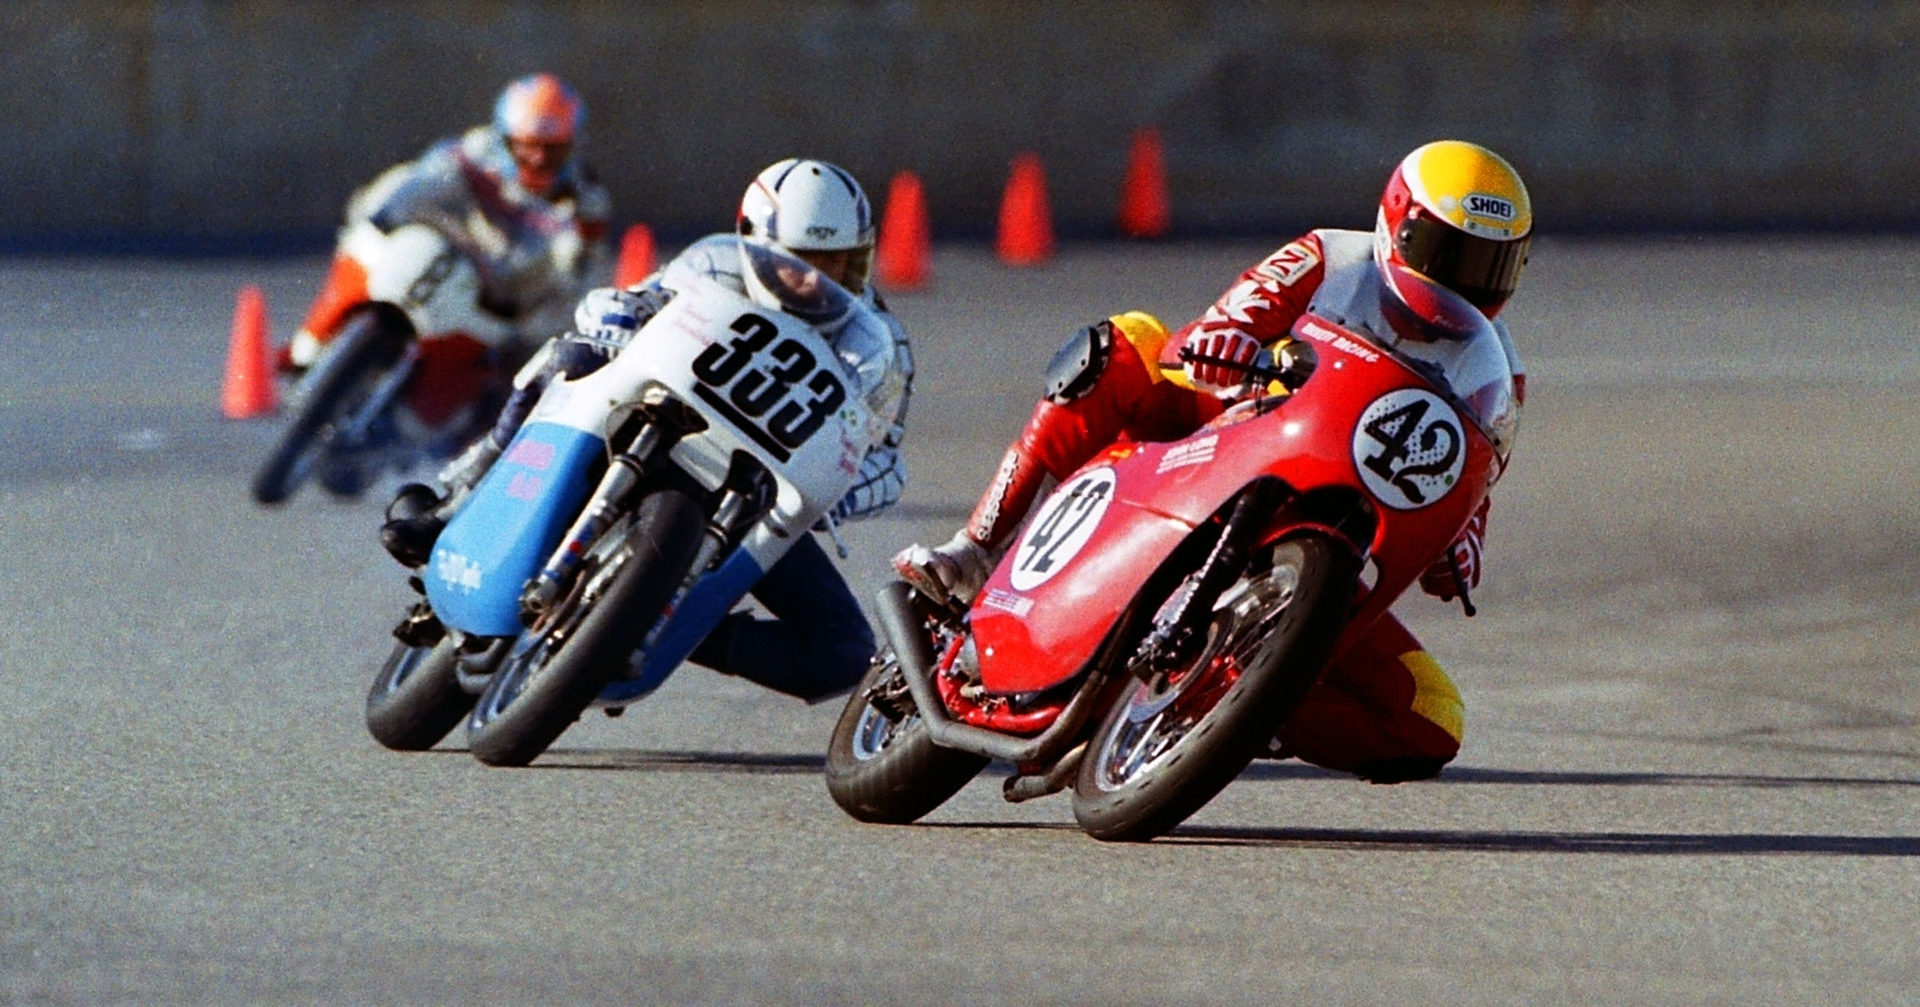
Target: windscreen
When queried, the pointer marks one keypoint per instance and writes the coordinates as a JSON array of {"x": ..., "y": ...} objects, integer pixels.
[
  {"x": 1445, "y": 340},
  {"x": 860, "y": 336}
]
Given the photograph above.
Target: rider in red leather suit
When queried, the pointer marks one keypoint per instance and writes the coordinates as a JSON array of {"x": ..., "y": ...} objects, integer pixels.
[{"x": 1455, "y": 211}]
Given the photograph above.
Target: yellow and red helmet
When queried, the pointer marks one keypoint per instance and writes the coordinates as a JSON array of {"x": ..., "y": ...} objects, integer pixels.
[{"x": 1458, "y": 214}]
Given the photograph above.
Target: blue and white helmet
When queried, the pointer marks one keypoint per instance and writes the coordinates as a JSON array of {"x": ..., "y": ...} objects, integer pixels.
[{"x": 807, "y": 206}]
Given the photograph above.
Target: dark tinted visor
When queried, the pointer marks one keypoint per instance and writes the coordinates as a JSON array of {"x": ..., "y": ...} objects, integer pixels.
[{"x": 1482, "y": 270}]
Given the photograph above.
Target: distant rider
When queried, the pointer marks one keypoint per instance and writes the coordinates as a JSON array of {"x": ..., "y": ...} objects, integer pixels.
[
  {"x": 513, "y": 195},
  {"x": 818, "y": 642},
  {"x": 1452, "y": 211}
]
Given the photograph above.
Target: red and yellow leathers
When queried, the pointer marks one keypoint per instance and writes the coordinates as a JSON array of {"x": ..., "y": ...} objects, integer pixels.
[{"x": 1384, "y": 709}]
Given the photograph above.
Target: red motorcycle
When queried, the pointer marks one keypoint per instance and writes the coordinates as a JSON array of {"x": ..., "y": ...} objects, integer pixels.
[{"x": 1168, "y": 606}]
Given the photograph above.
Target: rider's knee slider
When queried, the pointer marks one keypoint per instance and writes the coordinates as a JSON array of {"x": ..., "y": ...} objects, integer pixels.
[{"x": 1076, "y": 368}]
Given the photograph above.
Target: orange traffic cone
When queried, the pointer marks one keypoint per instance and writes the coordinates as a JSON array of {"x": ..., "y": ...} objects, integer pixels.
[
  {"x": 1026, "y": 224},
  {"x": 636, "y": 256},
  {"x": 248, "y": 390},
  {"x": 1143, "y": 193},
  {"x": 905, "y": 239}
]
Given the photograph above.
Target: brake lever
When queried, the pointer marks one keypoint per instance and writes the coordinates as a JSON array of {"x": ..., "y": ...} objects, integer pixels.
[
  {"x": 1251, "y": 370},
  {"x": 1460, "y": 582}
]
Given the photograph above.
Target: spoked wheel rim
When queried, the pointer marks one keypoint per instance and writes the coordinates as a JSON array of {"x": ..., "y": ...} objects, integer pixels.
[
  {"x": 1161, "y": 713},
  {"x": 522, "y": 665},
  {"x": 403, "y": 668},
  {"x": 875, "y": 731},
  {"x": 325, "y": 446},
  {"x": 533, "y": 653}
]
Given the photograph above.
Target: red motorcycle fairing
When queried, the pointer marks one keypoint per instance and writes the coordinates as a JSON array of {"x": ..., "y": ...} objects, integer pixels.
[{"x": 1094, "y": 541}]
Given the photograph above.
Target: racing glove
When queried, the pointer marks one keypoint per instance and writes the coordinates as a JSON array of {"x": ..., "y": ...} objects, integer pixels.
[
  {"x": 1438, "y": 579},
  {"x": 1225, "y": 344},
  {"x": 952, "y": 572},
  {"x": 609, "y": 316}
]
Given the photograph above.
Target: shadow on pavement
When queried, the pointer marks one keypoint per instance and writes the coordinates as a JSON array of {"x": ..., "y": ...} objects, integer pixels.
[
  {"x": 1462, "y": 841},
  {"x": 635, "y": 759},
  {"x": 1564, "y": 778},
  {"x": 632, "y": 759},
  {"x": 1643, "y": 843}
]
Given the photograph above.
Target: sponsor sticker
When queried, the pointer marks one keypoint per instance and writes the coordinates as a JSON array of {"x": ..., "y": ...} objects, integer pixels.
[
  {"x": 1286, "y": 266},
  {"x": 536, "y": 455},
  {"x": 1320, "y": 333},
  {"x": 1479, "y": 204},
  {"x": 1007, "y": 601},
  {"x": 1188, "y": 453},
  {"x": 456, "y": 571}
]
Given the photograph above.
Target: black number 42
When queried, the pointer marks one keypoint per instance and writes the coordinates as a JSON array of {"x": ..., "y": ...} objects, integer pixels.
[{"x": 1395, "y": 432}]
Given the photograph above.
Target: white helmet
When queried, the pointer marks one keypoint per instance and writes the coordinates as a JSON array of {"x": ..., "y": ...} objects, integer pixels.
[{"x": 806, "y": 206}]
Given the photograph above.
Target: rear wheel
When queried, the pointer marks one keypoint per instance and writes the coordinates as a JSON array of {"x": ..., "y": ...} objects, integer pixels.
[
  {"x": 1178, "y": 738},
  {"x": 881, "y": 764},
  {"x": 367, "y": 344},
  {"x": 416, "y": 699},
  {"x": 557, "y": 668}
]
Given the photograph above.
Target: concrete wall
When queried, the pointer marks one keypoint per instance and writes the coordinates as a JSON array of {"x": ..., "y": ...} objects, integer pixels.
[{"x": 184, "y": 121}]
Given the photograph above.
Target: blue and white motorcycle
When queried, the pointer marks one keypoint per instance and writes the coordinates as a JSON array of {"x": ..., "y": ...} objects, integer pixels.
[{"x": 634, "y": 508}]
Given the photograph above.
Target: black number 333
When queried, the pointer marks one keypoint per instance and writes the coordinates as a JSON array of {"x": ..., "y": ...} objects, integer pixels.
[{"x": 773, "y": 389}]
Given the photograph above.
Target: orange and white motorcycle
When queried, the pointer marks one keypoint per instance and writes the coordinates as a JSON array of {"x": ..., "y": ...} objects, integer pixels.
[{"x": 403, "y": 361}]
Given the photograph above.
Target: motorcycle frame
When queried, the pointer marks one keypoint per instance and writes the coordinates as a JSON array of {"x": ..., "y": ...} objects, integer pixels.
[
  {"x": 753, "y": 516},
  {"x": 1320, "y": 493}
]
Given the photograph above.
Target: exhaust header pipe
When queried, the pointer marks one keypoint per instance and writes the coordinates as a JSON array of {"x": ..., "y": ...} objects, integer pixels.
[{"x": 902, "y": 626}]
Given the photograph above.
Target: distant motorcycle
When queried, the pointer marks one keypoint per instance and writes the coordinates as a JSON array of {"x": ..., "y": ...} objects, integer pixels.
[
  {"x": 1168, "y": 606},
  {"x": 416, "y": 365},
  {"x": 635, "y": 507}
]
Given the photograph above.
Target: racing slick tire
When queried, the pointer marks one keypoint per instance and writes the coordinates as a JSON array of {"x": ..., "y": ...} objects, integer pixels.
[
  {"x": 887, "y": 770},
  {"x": 368, "y": 343},
  {"x": 1176, "y": 738},
  {"x": 557, "y": 668},
  {"x": 416, "y": 698}
]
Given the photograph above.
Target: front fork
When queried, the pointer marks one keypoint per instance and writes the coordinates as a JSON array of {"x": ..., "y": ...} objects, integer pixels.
[
  {"x": 602, "y": 508},
  {"x": 1177, "y": 636},
  {"x": 358, "y": 428},
  {"x": 747, "y": 494}
]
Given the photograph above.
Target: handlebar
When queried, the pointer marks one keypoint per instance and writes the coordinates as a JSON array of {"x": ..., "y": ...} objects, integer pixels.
[{"x": 1289, "y": 377}]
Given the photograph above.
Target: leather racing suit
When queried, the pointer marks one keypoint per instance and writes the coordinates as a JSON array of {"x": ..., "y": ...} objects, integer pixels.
[
  {"x": 535, "y": 254},
  {"x": 1384, "y": 709},
  {"x": 818, "y": 643}
]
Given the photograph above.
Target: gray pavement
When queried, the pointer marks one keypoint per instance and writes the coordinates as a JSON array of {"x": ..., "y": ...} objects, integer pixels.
[{"x": 1692, "y": 771}]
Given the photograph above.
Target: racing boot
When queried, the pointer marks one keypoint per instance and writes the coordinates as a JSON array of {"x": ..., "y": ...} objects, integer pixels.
[
  {"x": 413, "y": 524},
  {"x": 418, "y": 513},
  {"x": 948, "y": 574}
]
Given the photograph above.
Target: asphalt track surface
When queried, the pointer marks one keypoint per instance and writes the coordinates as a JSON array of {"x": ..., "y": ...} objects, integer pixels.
[{"x": 1691, "y": 776}]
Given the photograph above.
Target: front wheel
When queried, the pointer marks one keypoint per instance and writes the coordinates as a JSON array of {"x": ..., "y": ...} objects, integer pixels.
[
  {"x": 1175, "y": 740},
  {"x": 416, "y": 698},
  {"x": 368, "y": 344},
  {"x": 557, "y": 668},
  {"x": 881, "y": 764}
]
